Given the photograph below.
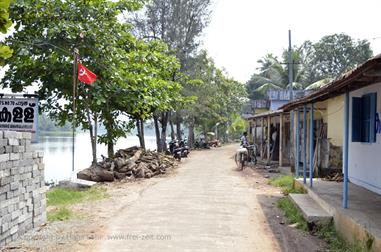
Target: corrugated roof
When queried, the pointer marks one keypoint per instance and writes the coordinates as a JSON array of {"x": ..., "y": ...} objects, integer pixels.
[
  {"x": 366, "y": 74},
  {"x": 267, "y": 113}
]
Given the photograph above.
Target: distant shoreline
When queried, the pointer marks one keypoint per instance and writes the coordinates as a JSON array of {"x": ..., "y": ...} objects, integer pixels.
[{"x": 54, "y": 133}]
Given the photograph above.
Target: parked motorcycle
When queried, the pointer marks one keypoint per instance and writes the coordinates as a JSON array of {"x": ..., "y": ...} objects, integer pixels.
[
  {"x": 179, "y": 149},
  {"x": 184, "y": 148},
  {"x": 201, "y": 144}
]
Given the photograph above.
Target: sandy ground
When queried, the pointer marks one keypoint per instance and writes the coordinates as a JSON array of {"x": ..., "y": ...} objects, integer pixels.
[{"x": 204, "y": 205}]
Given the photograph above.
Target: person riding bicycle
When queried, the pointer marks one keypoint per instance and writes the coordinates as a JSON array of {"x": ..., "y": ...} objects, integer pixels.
[
  {"x": 250, "y": 150},
  {"x": 242, "y": 152},
  {"x": 244, "y": 141}
]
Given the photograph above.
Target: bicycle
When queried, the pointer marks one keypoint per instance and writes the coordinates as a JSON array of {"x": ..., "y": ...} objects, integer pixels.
[{"x": 245, "y": 154}]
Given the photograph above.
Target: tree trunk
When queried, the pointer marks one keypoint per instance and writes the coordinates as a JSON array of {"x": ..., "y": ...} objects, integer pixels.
[
  {"x": 164, "y": 123},
  {"x": 140, "y": 128},
  {"x": 110, "y": 149},
  {"x": 178, "y": 125},
  {"x": 139, "y": 135},
  {"x": 92, "y": 137},
  {"x": 142, "y": 131},
  {"x": 109, "y": 124},
  {"x": 95, "y": 135},
  {"x": 191, "y": 133},
  {"x": 157, "y": 131},
  {"x": 172, "y": 130}
]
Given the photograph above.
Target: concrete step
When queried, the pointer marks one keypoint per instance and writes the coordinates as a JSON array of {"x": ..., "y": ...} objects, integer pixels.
[
  {"x": 75, "y": 183},
  {"x": 311, "y": 210}
]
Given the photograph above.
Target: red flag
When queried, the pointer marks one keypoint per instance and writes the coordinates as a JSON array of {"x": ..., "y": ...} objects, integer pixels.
[{"x": 85, "y": 75}]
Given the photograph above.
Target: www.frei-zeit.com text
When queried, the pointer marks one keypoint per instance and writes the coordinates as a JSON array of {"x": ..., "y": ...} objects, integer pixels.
[{"x": 78, "y": 237}]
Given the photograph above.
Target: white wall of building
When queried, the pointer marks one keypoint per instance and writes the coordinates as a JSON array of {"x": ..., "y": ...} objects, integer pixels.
[{"x": 364, "y": 159}]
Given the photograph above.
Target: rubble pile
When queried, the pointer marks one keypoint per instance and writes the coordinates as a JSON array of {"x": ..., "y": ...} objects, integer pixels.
[{"x": 128, "y": 163}]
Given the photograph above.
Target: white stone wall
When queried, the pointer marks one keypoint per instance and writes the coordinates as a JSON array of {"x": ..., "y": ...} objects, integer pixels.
[
  {"x": 22, "y": 186},
  {"x": 364, "y": 159}
]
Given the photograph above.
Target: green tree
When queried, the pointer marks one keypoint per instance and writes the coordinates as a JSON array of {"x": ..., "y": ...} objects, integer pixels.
[
  {"x": 5, "y": 23},
  {"x": 336, "y": 54},
  {"x": 273, "y": 74},
  {"x": 178, "y": 23},
  {"x": 218, "y": 97},
  {"x": 46, "y": 34},
  {"x": 313, "y": 63}
]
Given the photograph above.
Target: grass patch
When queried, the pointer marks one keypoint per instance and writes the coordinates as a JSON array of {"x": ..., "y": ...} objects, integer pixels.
[
  {"x": 63, "y": 197},
  {"x": 59, "y": 214},
  {"x": 337, "y": 243},
  {"x": 327, "y": 232},
  {"x": 292, "y": 213},
  {"x": 59, "y": 199},
  {"x": 286, "y": 183}
]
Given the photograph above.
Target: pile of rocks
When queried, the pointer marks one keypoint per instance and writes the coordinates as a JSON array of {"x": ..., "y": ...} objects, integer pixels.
[{"x": 128, "y": 163}]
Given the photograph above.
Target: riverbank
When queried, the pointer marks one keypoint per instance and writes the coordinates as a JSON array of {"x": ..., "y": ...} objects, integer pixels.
[{"x": 57, "y": 151}]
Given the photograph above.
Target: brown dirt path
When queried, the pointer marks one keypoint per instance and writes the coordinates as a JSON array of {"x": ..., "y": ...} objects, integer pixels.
[
  {"x": 204, "y": 205},
  {"x": 207, "y": 206}
]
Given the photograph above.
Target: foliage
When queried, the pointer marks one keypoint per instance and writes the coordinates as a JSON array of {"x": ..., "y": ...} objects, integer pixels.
[
  {"x": 286, "y": 183},
  {"x": 133, "y": 76},
  {"x": 272, "y": 74},
  {"x": 327, "y": 59},
  {"x": 5, "y": 23},
  {"x": 218, "y": 97},
  {"x": 292, "y": 213},
  {"x": 237, "y": 126},
  {"x": 177, "y": 22},
  {"x": 336, "y": 54}
]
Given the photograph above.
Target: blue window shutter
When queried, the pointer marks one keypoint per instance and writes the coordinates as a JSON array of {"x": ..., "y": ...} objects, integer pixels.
[
  {"x": 365, "y": 118},
  {"x": 372, "y": 116},
  {"x": 356, "y": 119}
]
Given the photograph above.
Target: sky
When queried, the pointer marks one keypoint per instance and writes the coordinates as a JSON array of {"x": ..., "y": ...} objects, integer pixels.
[{"x": 242, "y": 31}]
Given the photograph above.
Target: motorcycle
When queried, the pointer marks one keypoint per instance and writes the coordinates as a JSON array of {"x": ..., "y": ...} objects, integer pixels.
[
  {"x": 179, "y": 149},
  {"x": 201, "y": 144},
  {"x": 184, "y": 148}
]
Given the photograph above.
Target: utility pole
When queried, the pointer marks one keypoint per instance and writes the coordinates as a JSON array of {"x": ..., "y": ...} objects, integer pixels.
[
  {"x": 290, "y": 66},
  {"x": 74, "y": 103},
  {"x": 290, "y": 81}
]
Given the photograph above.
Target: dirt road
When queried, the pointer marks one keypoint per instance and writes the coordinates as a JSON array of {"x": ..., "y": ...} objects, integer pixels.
[
  {"x": 207, "y": 206},
  {"x": 204, "y": 205}
]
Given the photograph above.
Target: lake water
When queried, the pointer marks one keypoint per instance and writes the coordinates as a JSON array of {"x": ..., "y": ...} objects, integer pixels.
[{"x": 58, "y": 153}]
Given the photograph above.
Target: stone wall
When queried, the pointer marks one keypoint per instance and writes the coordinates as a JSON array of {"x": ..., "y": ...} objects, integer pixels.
[{"x": 22, "y": 186}]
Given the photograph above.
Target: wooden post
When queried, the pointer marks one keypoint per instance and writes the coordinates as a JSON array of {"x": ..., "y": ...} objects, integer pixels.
[
  {"x": 297, "y": 143},
  {"x": 311, "y": 142},
  {"x": 304, "y": 143},
  {"x": 281, "y": 140},
  {"x": 262, "y": 135},
  {"x": 268, "y": 137},
  {"x": 345, "y": 151},
  {"x": 255, "y": 131}
]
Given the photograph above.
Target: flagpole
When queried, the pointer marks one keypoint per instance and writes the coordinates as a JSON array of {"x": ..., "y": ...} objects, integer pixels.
[{"x": 74, "y": 103}]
